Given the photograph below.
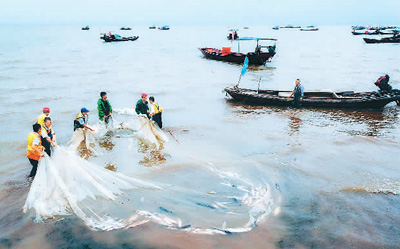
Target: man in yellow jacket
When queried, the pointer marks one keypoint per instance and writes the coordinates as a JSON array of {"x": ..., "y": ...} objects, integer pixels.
[
  {"x": 46, "y": 113},
  {"x": 35, "y": 148},
  {"x": 155, "y": 112}
]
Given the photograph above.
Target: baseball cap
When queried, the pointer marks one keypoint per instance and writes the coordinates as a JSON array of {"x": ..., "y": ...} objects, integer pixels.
[
  {"x": 46, "y": 109},
  {"x": 84, "y": 110},
  {"x": 144, "y": 95}
]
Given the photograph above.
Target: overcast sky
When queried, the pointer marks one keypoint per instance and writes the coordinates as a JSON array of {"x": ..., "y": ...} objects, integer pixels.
[{"x": 204, "y": 12}]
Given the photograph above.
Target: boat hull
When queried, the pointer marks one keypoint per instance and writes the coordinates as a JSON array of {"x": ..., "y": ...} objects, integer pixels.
[
  {"x": 254, "y": 58},
  {"x": 344, "y": 100},
  {"x": 383, "y": 40}
]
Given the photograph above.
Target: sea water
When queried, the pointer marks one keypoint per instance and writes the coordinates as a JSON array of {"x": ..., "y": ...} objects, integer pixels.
[{"x": 230, "y": 175}]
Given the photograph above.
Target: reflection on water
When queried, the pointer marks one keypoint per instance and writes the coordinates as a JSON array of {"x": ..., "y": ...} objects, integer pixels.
[
  {"x": 294, "y": 123},
  {"x": 352, "y": 122}
]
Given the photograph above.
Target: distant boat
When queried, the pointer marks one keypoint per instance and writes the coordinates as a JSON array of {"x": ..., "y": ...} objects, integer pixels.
[
  {"x": 126, "y": 28},
  {"x": 245, "y": 27},
  {"x": 258, "y": 57},
  {"x": 275, "y": 28},
  {"x": 117, "y": 38},
  {"x": 309, "y": 28},
  {"x": 85, "y": 28},
  {"x": 367, "y": 32},
  {"x": 163, "y": 28},
  {"x": 290, "y": 27},
  {"x": 152, "y": 27}
]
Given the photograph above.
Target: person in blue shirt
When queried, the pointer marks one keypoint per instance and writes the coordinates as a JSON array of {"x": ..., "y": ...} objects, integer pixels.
[
  {"x": 297, "y": 93},
  {"x": 81, "y": 120}
]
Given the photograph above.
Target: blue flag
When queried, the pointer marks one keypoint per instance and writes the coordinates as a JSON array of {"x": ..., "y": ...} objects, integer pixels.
[{"x": 245, "y": 65}]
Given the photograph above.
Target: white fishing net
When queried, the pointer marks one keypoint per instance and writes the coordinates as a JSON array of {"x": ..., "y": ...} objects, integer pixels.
[
  {"x": 66, "y": 183},
  {"x": 65, "y": 180},
  {"x": 148, "y": 130}
]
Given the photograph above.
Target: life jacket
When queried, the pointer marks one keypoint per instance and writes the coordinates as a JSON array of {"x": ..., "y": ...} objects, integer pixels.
[
  {"x": 31, "y": 153},
  {"x": 40, "y": 119},
  {"x": 80, "y": 115},
  {"x": 157, "y": 108},
  {"x": 49, "y": 131}
]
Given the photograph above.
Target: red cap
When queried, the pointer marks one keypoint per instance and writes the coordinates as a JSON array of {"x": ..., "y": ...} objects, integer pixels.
[
  {"x": 46, "y": 109},
  {"x": 144, "y": 95}
]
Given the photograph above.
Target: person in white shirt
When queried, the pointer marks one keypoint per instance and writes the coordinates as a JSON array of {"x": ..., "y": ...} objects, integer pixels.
[
  {"x": 155, "y": 112},
  {"x": 48, "y": 136}
]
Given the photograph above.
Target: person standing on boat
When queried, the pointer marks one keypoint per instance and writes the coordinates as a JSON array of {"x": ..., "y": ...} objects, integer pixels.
[
  {"x": 35, "y": 149},
  {"x": 46, "y": 113},
  {"x": 81, "y": 120},
  {"x": 297, "y": 93},
  {"x": 155, "y": 112},
  {"x": 48, "y": 136},
  {"x": 104, "y": 108},
  {"x": 142, "y": 106}
]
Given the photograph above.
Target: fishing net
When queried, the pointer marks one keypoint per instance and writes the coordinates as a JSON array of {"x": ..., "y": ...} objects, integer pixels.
[{"x": 63, "y": 183}]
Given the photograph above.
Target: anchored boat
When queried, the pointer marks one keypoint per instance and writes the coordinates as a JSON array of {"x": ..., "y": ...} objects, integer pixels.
[
  {"x": 319, "y": 99},
  {"x": 260, "y": 56}
]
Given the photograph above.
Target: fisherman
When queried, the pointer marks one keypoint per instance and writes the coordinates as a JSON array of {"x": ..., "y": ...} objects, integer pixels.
[
  {"x": 81, "y": 120},
  {"x": 142, "y": 106},
  {"x": 104, "y": 108},
  {"x": 48, "y": 136},
  {"x": 383, "y": 83},
  {"x": 155, "y": 112},
  {"x": 297, "y": 93},
  {"x": 46, "y": 113},
  {"x": 35, "y": 149}
]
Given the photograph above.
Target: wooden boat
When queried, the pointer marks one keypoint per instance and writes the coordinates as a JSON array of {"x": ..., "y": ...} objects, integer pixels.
[
  {"x": 258, "y": 57},
  {"x": 117, "y": 38},
  {"x": 85, "y": 28},
  {"x": 347, "y": 99},
  {"x": 393, "y": 39}
]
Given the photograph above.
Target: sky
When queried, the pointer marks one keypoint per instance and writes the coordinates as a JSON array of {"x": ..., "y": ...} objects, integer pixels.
[{"x": 196, "y": 12}]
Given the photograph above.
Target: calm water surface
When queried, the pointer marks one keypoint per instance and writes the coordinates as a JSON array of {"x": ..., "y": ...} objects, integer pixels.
[{"x": 332, "y": 176}]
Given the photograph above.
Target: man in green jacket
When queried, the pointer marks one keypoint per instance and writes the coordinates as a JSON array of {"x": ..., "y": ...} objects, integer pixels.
[
  {"x": 104, "y": 108},
  {"x": 142, "y": 106}
]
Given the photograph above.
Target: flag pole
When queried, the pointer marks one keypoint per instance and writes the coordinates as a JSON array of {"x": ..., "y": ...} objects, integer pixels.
[
  {"x": 244, "y": 69},
  {"x": 237, "y": 85}
]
